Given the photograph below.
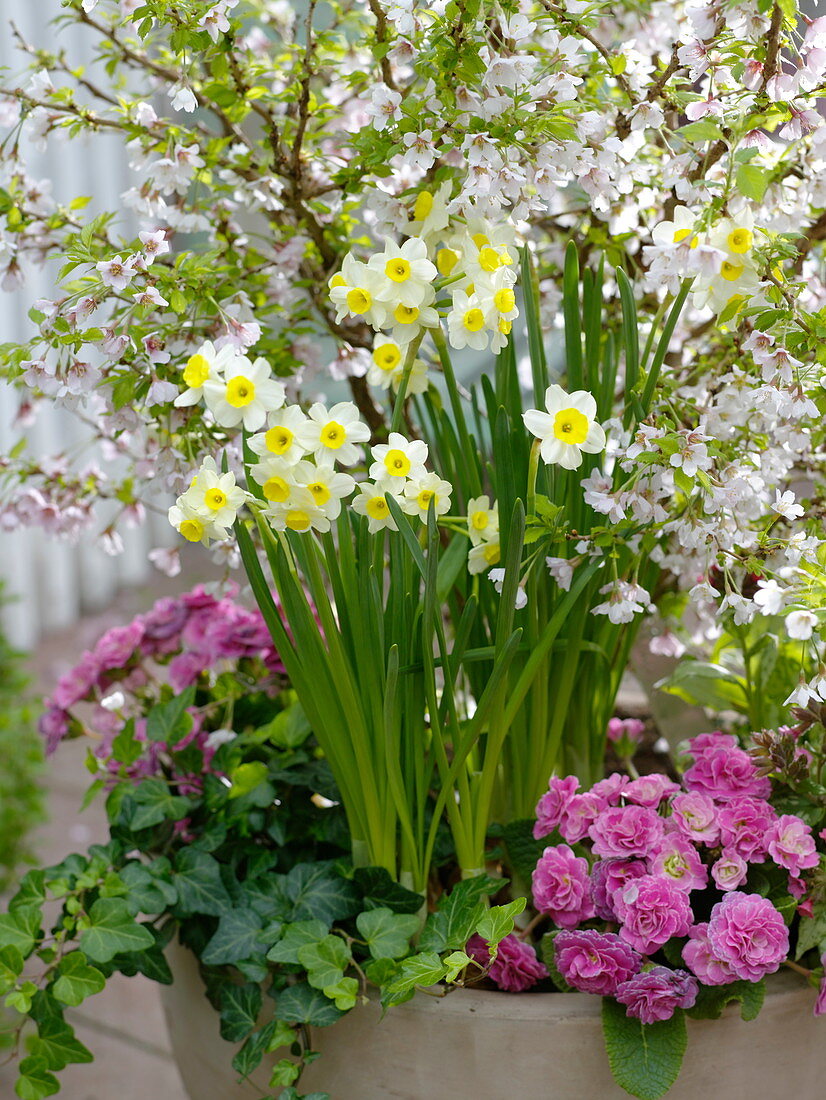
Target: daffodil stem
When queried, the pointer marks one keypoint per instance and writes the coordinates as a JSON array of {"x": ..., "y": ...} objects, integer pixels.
[
  {"x": 398, "y": 408},
  {"x": 533, "y": 470}
]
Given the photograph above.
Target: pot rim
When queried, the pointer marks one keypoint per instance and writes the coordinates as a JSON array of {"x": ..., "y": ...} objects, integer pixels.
[{"x": 487, "y": 1003}]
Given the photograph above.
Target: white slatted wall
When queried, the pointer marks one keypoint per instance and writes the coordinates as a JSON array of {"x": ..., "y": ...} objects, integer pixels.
[{"x": 53, "y": 582}]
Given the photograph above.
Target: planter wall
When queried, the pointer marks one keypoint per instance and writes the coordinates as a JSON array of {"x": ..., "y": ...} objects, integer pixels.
[{"x": 485, "y": 1046}]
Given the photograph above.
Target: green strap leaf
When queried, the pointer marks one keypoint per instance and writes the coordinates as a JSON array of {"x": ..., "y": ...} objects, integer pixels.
[{"x": 645, "y": 1059}]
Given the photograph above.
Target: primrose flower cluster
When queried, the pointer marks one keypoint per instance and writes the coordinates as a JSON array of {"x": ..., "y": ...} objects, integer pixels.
[
  {"x": 182, "y": 641},
  {"x": 648, "y": 864},
  {"x": 395, "y": 291}
]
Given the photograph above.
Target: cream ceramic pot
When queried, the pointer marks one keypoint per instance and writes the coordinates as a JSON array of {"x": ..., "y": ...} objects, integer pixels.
[{"x": 477, "y": 1045}]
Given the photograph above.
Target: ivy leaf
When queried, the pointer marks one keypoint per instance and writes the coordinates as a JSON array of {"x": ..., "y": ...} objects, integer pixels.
[
  {"x": 458, "y": 915},
  {"x": 170, "y": 721},
  {"x": 295, "y": 937},
  {"x": 240, "y": 1008},
  {"x": 325, "y": 961},
  {"x": 387, "y": 934},
  {"x": 811, "y": 933},
  {"x": 284, "y": 1073},
  {"x": 289, "y": 729},
  {"x": 235, "y": 939},
  {"x": 200, "y": 887},
  {"x": 57, "y": 1045},
  {"x": 455, "y": 963},
  {"x": 11, "y": 967},
  {"x": 20, "y": 928},
  {"x": 498, "y": 921},
  {"x": 35, "y": 1082},
  {"x": 711, "y": 1000},
  {"x": 148, "y": 890},
  {"x": 77, "y": 980},
  {"x": 153, "y": 802},
  {"x": 301, "y": 1004},
  {"x": 523, "y": 850},
  {"x": 645, "y": 1059},
  {"x": 113, "y": 930},
  {"x": 547, "y": 953},
  {"x": 318, "y": 891},
  {"x": 379, "y": 889},
  {"x": 423, "y": 969},
  {"x": 343, "y": 993},
  {"x": 249, "y": 1056}
]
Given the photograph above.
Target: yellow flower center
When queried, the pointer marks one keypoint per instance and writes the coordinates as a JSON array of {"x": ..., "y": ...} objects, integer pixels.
[
  {"x": 505, "y": 258},
  {"x": 215, "y": 499},
  {"x": 405, "y": 315},
  {"x": 276, "y": 489},
  {"x": 333, "y": 435},
  {"x": 570, "y": 426},
  {"x": 387, "y": 357},
  {"x": 446, "y": 260},
  {"x": 278, "y": 439},
  {"x": 681, "y": 234},
  {"x": 739, "y": 240},
  {"x": 321, "y": 493},
  {"x": 424, "y": 498},
  {"x": 240, "y": 391},
  {"x": 376, "y": 508},
  {"x": 398, "y": 270},
  {"x": 489, "y": 259},
  {"x": 479, "y": 520},
  {"x": 491, "y": 553},
  {"x": 338, "y": 280},
  {"x": 731, "y": 272},
  {"x": 480, "y": 239},
  {"x": 192, "y": 530},
  {"x": 196, "y": 371},
  {"x": 297, "y": 520},
  {"x": 505, "y": 327},
  {"x": 474, "y": 320},
  {"x": 423, "y": 206},
  {"x": 397, "y": 463},
  {"x": 359, "y": 300},
  {"x": 504, "y": 300}
]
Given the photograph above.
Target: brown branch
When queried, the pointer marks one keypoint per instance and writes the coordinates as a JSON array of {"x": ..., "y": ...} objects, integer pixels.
[
  {"x": 303, "y": 99},
  {"x": 659, "y": 84},
  {"x": 770, "y": 65},
  {"x": 382, "y": 38}
]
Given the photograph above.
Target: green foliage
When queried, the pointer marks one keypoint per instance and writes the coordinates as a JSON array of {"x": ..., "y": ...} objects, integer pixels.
[
  {"x": 711, "y": 1000},
  {"x": 21, "y": 760},
  {"x": 645, "y": 1059}
]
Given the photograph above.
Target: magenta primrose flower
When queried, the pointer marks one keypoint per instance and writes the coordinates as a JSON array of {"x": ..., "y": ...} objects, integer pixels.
[
  {"x": 652, "y": 910},
  {"x": 655, "y": 994},
  {"x": 562, "y": 887},
  {"x": 595, "y": 962},
  {"x": 515, "y": 967},
  {"x": 626, "y": 831}
]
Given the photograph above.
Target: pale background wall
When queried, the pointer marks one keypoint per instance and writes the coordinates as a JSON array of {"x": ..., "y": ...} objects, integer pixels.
[{"x": 53, "y": 582}]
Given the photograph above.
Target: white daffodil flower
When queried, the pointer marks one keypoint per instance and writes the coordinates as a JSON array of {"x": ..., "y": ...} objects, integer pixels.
[
  {"x": 483, "y": 557},
  {"x": 206, "y": 364},
  {"x": 280, "y": 440},
  {"x": 193, "y": 525},
  {"x": 371, "y": 501},
  {"x": 466, "y": 326},
  {"x": 421, "y": 491},
  {"x": 567, "y": 428},
  {"x": 245, "y": 394},
  {"x": 327, "y": 486},
  {"x": 398, "y": 459},
  {"x": 214, "y": 495},
  {"x": 355, "y": 291},
  {"x": 333, "y": 433},
  {"x": 405, "y": 272},
  {"x": 482, "y": 520}
]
